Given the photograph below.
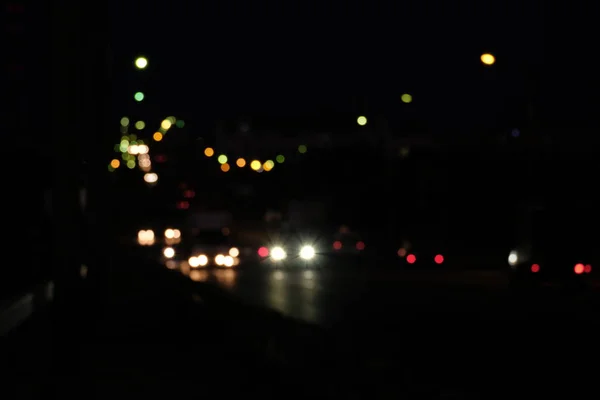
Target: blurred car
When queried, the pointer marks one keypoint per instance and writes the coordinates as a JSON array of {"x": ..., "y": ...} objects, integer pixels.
[
  {"x": 420, "y": 256},
  {"x": 559, "y": 248},
  {"x": 348, "y": 242},
  {"x": 213, "y": 249},
  {"x": 290, "y": 250}
]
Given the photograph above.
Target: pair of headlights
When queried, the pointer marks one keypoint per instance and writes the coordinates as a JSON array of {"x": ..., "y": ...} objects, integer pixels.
[{"x": 279, "y": 254}]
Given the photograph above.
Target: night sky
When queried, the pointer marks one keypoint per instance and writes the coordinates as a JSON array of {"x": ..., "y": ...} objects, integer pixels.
[{"x": 326, "y": 62}]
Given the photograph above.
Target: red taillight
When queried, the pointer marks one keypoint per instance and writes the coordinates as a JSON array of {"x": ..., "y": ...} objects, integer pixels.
[
  {"x": 360, "y": 245},
  {"x": 438, "y": 259},
  {"x": 411, "y": 258},
  {"x": 263, "y": 252},
  {"x": 535, "y": 268},
  {"x": 579, "y": 269},
  {"x": 587, "y": 269},
  {"x": 337, "y": 245}
]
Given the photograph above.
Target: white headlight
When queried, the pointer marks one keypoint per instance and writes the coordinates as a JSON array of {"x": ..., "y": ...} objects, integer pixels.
[
  {"x": 169, "y": 252},
  {"x": 277, "y": 253},
  {"x": 307, "y": 252},
  {"x": 513, "y": 258}
]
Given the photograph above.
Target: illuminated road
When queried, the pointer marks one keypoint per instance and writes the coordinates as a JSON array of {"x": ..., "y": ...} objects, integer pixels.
[{"x": 328, "y": 296}]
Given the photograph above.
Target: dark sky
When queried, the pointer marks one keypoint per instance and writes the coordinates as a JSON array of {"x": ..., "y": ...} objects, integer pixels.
[{"x": 328, "y": 58}]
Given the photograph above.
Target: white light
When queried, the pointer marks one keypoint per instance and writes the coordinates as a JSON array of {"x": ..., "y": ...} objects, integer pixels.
[
  {"x": 150, "y": 177},
  {"x": 228, "y": 261},
  {"x": 307, "y": 252},
  {"x": 278, "y": 254},
  {"x": 169, "y": 234},
  {"x": 220, "y": 259},
  {"x": 513, "y": 258},
  {"x": 194, "y": 262},
  {"x": 234, "y": 252},
  {"x": 169, "y": 252},
  {"x": 202, "y": 260}
]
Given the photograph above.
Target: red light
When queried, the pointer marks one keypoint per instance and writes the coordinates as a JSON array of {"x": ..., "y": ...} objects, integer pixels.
[
  {"x": 263, "y": 252},
  {"x": 360, "y": 245},
  {"x": 183, "y": 205},
  {"x": 535, "y": 268},
  {"x": 579, "y": 269},
  {"x": 337, "y": 245},
  {"x": 160, "y": 158},
  {"x": 587, "y": 269},
  {"x": 188, "y": 194},
  {"x": 411, "y": 258},
  {"x": 439, "y": 259},
  {"x": 401, "y": 252}
]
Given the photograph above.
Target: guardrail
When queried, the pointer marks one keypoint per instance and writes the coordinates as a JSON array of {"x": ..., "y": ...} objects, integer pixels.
[{"x": 17, "y": 310}]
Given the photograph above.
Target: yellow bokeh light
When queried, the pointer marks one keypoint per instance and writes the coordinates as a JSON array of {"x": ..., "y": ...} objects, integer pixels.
[
  {"x": 240, "y": 162},
  {"x": 406, "y": 98},
  {"x": 115, "y": 163},
  {"x": 255, "y": 165},
  {"x": 488, "y": 59},
  {"x": 222, "y": 159},
  {"x": 166, "y": 124},
  {"x": 225, "y": 167},
  {"x": 157, "y": 136},
  {"x": 140, "y": 125},
  {"x": 362, "y": 121},
  {"x": 268, "y": 165},
  {"x": 209, "y": 152},
  {"x": 141, "y": 62}
]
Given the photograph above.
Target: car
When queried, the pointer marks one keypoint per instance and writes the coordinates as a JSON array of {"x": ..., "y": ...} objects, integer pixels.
[
  {"x": 290, "y": 250},
  {"x": 559, "y": 248},
  {"x": 421, "y": 255},
  {"x": 348, "y": 242},
  {"x": 213, "y": 249}
]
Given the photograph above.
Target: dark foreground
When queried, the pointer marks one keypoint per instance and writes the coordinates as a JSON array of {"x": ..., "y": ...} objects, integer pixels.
[{"x": 159, "y": 333}]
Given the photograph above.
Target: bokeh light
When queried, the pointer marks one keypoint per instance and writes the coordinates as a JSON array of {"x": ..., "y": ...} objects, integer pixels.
[
  {"x": 302, "y": 149},
  {"x": 140, "y": 125},
  {"x": 255, "y": 165},
  {"x": 209, "y": 152},
  {"x": 166, "y": 124},
  {"x": 240, "y": 162},
  {"x": 488, "y": 59},
  {"x": 362, "y": 120},
  {"x": 225, "y": 167},
  {"x": 406, "y": 98},
  {"x": 115, "y": 163},
  {"x": 222, "y": 159},
  {"x": 139, "y": 96},
  {"x": 157, "y": 136},
  {"x": 141, "y": 62}
]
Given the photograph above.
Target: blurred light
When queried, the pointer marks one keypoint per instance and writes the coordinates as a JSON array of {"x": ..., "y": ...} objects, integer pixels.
[
  {"x": 183, "y": 205},
  {"x": 189, "y": 194},
  {"x": 406, "y": 98},
  {"x": 277, "y": 253},
  {"x": 160, "y": 158},
  {"x": 240, "y": 162},
  {"x": 411, "y": 258},
  {"x": 225, "y": 167},
  {"x": 488, "y": 59},
  {"x": 255, "y": 165},
  {"x": 220, "y": 259},
  {"x": 362, "y": 121},
  {"x": 151, "y": 177},
  {"x": 202, "y": 260},
  {"x": 337, "y": 245},
  {"x": 176, "y": 233},
  {"x": 169, "y": 233},
  {"x": 146, "y": 237},
  {"x": 222, "y": 159},
  {"x": 131, "y": 164},
  {"x": 115, "y": 163},
  {"x": 513, "y": 258},
  {"x": 228, "y": 261},
  {"x": 268, "y": 165},
  {"x": 263, "y": 252},
  {"x": 234, "y": 252},
  {"x": 535, "y": 268},
  {"x": 579, "y": 269},
  {"x": 166, "y": 124},
  {"x": 139, "y": 96},
  {"x": 588, "y": 268},
  {"x": 307, "y": 252},
  {"x": 157, "y": 136},
  {"x": 180, "y": 123},
  {"x": 401, "y": 252},
  {"x": 438, "y": 259},
  {"x": 209, "y": 152},
  {"x": 280, "y": 159},
  {"x": 302, "y": 149},
  {"x": 124, "y": 121},
  {"x": 141, "y": 62},
  {"x": 515, "y": 133},
  {"x": 194, "y": 262},
  {"x": 169, "y": 252},
  {"x": 360, "y": 245},
  {"x": 140, "y": 125}
]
